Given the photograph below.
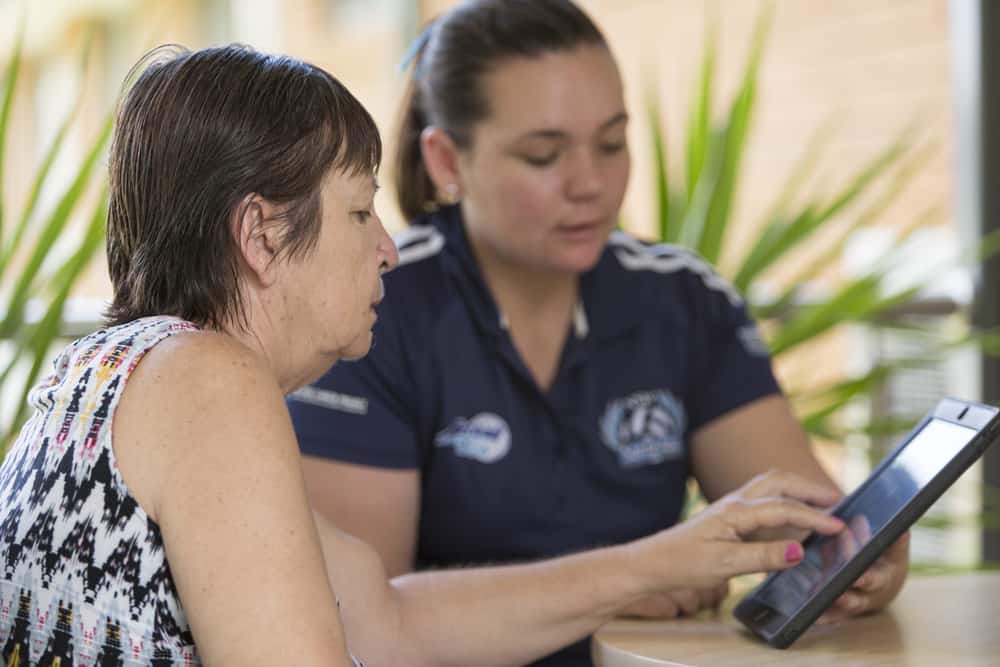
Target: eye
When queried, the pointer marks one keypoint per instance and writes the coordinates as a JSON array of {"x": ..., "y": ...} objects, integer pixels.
[
  {"x": 611, "y": 147},
  {"x": 541, "y": 160},
  {"x": 362, "y": 216}
]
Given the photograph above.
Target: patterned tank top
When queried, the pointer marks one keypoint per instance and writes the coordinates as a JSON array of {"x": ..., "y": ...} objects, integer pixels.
[{"x": 84, "y": 578}]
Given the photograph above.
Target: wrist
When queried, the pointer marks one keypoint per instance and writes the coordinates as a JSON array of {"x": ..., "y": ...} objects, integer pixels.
[
  {"x": 614, "y": 579},
  {"x": 649, "y": 565}
]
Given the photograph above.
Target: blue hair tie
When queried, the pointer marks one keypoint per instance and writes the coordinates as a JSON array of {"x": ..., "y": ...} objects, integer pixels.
[{"x": 416, "y": 48}]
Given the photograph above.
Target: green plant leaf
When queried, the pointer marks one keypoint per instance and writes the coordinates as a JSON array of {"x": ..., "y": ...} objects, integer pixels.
[
  {"x": 732, "y": 149},
  {"x": 785, "y": 303},
  {"x": 872, "y": 170},
  {"x": 857, "y": 300},
  {"x": 800, "y": 172},
  {"x": 50, "y": 232},
  {"x": 10, "y": 83},
  {"x": 780, "y": 237},
  {"x": 696, "y": 212},
  {"x": 7, "y": 254},
  {"x": 901, "y": 178},
  {"x": 811, "y": 227},
  {"x": 661, "y": 182},
  {"x": 826, "y": 401},
  {"x": 47, "y": 329},
  {"x": 776, "y": 238},
  {"x": 700, "y": 115}
]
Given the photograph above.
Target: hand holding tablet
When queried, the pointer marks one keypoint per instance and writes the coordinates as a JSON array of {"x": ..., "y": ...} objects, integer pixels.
[{"x": 904, "y": 485}]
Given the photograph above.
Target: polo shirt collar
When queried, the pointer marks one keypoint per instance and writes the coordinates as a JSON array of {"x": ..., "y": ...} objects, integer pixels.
[
  {"x": 615, "y": 301},
  {"x": 581, "y": 326},
  {"x": 460, "y": 262}
]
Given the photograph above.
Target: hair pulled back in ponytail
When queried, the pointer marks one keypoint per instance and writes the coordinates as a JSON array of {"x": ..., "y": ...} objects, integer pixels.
[{"x": 450, "y": 60}]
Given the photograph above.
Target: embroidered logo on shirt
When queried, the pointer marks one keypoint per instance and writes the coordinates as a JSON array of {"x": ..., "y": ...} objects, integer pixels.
[
  {"x": 644, "y": 428},
  {"x": 484, "y": 438}
]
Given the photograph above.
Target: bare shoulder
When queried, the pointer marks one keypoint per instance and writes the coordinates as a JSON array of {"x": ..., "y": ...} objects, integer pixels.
[
  {"x": 196, "y": 402},
  {"x": 199, "y": 376},
  {"x": 200, "y": 361}
]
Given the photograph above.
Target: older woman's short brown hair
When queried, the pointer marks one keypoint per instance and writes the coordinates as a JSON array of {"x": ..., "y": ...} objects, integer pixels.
[{"x": 196, "y": 133}]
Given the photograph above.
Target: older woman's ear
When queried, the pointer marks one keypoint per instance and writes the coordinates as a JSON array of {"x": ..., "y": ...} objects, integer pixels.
[{"x": 258, "y": 237}]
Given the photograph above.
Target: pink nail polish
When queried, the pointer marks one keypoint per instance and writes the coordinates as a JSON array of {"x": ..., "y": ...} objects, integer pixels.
[{"x": 793, "y": 553}]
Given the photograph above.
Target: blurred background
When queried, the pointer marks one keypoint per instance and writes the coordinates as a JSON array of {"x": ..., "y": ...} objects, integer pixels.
[{"x": 827, "y": 157}]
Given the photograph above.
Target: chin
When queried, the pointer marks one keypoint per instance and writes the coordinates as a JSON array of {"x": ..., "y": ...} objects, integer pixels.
[
  {"x": 359, "y": 348},
  {"x": 580, "y": 261}
]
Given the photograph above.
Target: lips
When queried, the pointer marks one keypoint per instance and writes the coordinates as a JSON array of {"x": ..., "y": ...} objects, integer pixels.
[
  {"x": 381, "y": 293},
  {"x": 584, "y": 231},
  {"x": 580, "y": 226}
]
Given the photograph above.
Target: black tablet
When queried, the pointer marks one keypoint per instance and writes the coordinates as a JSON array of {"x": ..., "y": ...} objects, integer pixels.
[{"x": 915, "y": 474}]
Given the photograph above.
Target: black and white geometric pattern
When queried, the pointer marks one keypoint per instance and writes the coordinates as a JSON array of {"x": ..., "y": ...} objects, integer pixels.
[
  {"x": 84, "y": 581},
  {"x": 83, "y": 576}
]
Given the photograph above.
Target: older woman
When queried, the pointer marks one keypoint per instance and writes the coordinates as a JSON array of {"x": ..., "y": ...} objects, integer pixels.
[{"x": 152, "y": 511}]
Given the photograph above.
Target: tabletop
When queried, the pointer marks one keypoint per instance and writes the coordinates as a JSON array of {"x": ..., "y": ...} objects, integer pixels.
[{"x": 951, "y": 620}]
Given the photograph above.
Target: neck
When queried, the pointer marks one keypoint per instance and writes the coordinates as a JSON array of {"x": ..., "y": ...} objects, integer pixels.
[
  {"x": 538, "y": 308},
  {"x": 524, "y": 293},
  {"x": 260, "y": 335}
]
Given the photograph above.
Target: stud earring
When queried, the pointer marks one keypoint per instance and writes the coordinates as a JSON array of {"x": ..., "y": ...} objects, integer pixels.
[{"x": 450, "y": 195}]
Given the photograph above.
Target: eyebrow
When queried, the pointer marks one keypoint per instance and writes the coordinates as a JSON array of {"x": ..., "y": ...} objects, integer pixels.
[
  {"x": 374, "y": 186},
  {"x": 619, "y": 117}
]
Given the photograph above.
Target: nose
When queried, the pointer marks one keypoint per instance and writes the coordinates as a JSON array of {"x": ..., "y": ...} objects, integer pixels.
[
  {"x": 388, "y": 254},
  {"x": 586, "y": 181}
]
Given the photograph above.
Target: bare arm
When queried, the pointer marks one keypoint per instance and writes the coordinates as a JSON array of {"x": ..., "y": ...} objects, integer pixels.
[
  {"x": 381, "y": 507},
  {"x": 203, "y": 441},
  {"x": 511, "y": 615},
  {"x": 377, "y": 505},
  {"x": 471, "y": 617},
  {"x": 761, "y": 436}
]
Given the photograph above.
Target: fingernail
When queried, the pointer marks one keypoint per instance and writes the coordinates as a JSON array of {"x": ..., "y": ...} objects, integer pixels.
[{"x": 793, "y": 553}]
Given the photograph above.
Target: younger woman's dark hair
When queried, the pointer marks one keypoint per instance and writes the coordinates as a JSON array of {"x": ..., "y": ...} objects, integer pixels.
[
  {"x": 199, "y": 131},
  {"x": 458, "y": 49}
]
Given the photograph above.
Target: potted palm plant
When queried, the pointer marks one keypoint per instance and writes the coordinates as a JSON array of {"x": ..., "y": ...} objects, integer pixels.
[
  {"x": 36, "y": 284},
  {"x": 694, "y": 209}
]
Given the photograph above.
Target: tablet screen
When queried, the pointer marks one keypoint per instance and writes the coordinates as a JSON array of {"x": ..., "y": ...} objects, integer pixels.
[{"x": 914, "y": 466}]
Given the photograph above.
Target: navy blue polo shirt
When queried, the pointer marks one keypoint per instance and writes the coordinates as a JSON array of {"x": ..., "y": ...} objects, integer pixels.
[{"x": 660, "y": 346}]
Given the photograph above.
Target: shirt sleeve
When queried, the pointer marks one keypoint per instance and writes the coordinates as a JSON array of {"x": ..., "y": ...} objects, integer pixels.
[
  {"x": 732, "y": 363},
  {"x": 358, "y": 412}
]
